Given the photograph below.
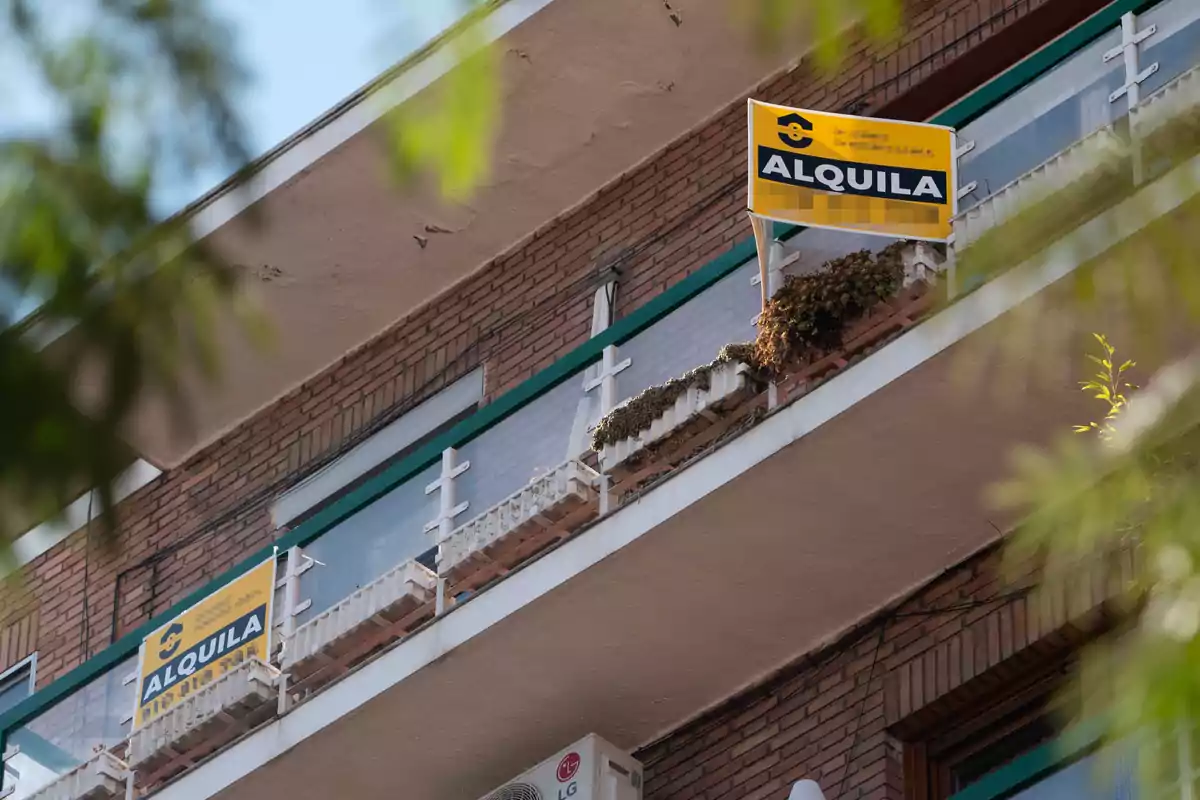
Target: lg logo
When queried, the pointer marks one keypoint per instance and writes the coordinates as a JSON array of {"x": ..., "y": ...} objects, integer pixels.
[
  {"x": 568, "y": 767},
  {"x": 794, "y": 127}
]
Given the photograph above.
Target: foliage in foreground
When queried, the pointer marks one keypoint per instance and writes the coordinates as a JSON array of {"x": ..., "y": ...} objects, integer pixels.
[
  {"x": 1130, "y": 485},
  {"x": 142, "y": 96}
]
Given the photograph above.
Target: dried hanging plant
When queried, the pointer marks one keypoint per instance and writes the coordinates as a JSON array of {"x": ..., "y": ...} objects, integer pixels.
[
  {"x": 805, "y": 318},
  {"x": 808, "y": 315},
  {"x": 637, "y": 413}
]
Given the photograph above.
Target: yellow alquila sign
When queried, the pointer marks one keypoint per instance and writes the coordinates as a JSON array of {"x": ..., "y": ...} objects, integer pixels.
[
  {"x": 826, "y": 170},
  {"x": 206, "y": 641}
]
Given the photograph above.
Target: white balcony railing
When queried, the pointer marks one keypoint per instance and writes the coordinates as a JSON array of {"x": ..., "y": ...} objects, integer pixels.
[
  {"x": 202, "y": 721},
  {"x": 394, "y": 600},
  {"x": 1088, "y": 157},
  {"x": 724, "y": 381},
  {"x": 101, "y": 778},
  {"x": 539, "y": 506},
  {"x": 1179, "y": 98}
]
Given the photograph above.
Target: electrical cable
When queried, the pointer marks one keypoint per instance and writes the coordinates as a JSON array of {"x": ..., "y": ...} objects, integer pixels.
[
  {"x": 859, "y": 101},
  {"x": 883, "y": 624},
  {"x": 862, "y": 707},
  {"x": 543, "y": 308},
  {"x": 968, "y": 605},
  {"x": 531, "y": 316},
  {"x": 85, "y": 628}
]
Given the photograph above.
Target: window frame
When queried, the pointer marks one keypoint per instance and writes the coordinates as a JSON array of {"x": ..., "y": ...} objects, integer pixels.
[
  {"x": 10, "y": 677},
  {"x": 1077, "y": 742},
  {"x": 991, "y": 714}
]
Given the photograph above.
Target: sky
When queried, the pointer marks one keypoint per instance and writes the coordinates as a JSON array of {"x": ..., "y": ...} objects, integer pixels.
[
  {"x": 306, "y": 56},
  {"x": 302, "y": 57}
]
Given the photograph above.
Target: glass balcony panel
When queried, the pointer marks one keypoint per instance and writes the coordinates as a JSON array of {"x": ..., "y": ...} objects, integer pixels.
[
  {"x": 362, "y": 547},
  {"x": 692, "y": 334},
  {"x": 71, "y": 731},
  {"x": 509, "y": 455},
  {"x": 1175, "y": 45},
  {"x": 1041, "y": 120}
]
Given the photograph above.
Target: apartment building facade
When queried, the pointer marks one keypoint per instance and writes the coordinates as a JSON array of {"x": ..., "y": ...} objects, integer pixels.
[{"x": 548, "y": 500}]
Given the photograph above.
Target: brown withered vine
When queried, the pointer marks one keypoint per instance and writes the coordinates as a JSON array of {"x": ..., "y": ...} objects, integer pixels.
[
  {"x": 804, "y": 319},
  {"x": 808, "y": 315},
  {"x": 637, "y": 414}
]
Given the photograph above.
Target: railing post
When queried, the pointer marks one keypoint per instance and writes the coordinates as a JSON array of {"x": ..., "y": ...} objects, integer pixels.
[
  {"x": 443, "y": 523},
  {"x": 282, "y": 694},
  {"x": 770, "y": 276},
  {"x": 602, "y": 317},
  {"x": 1129, "y": 50},
  {"x": 297, "y": 564},
  {"x": 606, "y": 381},
  {"x": 775, "y": 256},
  {"x": 6, "y": 754}
]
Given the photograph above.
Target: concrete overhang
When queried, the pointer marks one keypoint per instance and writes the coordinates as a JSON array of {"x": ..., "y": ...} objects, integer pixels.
[{"x": 589, "y": 90}]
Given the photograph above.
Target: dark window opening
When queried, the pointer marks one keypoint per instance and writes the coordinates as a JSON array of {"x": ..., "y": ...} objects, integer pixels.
[
  {"x": 16, "y": 684},
  {"x": 985, "y": 732}
]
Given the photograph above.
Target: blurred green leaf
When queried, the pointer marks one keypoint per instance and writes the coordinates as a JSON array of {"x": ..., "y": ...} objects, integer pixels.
[
  {"x": 144, "y": 94},
  {"x": 451, "y": 131},
  {"x": 1130, "y": 490}
]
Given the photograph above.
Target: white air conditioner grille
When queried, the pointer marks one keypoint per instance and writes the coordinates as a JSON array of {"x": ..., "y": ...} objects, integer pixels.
[{"x": 516, "y": 791}]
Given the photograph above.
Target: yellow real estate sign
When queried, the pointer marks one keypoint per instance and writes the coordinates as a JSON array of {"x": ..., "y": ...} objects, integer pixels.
[
  {"x": 206, "y": 641},
  {"x": 826, "y": 170}
]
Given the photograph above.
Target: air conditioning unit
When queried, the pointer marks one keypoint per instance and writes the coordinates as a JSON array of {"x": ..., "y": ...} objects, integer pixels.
[{"x": 590, "y": 769}]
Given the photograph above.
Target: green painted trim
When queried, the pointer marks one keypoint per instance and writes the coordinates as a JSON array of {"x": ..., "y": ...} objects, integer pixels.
[
  {"x": 44, "y": 752},
  {"x": 1076, "y": 743},
  {"x": 1025, "y": 72},
  {"x": 493, "y": 413},
  {"x": 957, "y": 115},
  {"x": 385, "y": 481}
]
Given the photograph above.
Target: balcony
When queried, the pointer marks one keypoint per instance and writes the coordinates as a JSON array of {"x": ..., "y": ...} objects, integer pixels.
[{"x": 510, "y": 587}]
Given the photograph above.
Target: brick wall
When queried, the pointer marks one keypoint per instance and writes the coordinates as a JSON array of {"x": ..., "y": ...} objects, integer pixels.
[
  {"x": 522, "y": 311},
  {"x": 18, "y": 638},
  {"x": 841, "y": 715}
]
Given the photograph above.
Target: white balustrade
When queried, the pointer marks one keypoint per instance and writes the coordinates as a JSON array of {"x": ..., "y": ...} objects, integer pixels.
[
  {"x": 1086, "y": 157},
  {"x": 100, "y": 778},
  {"x": 1179, "y": 98},
  {"x": 390, "y": 597},
  {"x": 226, "y": 700},
  {"x": 724, "y": 380},
  {"x": 568, "y": 483}
]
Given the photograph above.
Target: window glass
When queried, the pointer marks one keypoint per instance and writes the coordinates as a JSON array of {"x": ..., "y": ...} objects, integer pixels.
[
  {"x": 1104, "y": 775},
  {"x": 15, "y": 685}
]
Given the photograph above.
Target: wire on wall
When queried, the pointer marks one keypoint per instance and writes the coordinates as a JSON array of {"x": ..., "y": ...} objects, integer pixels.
[{"x": 85, "y": 628}]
